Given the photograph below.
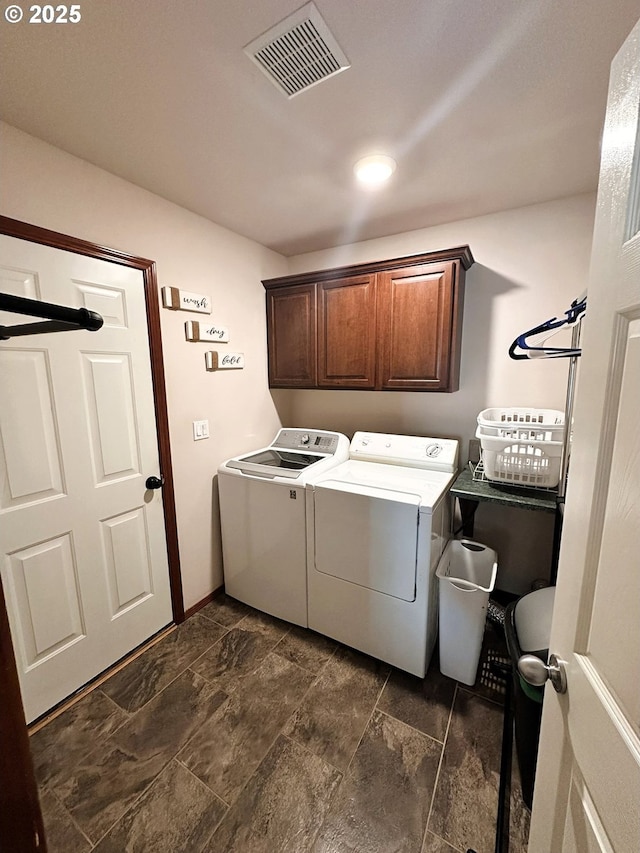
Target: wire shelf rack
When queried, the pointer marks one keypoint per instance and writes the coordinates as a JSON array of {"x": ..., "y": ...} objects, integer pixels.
[{"x": 479, "y": 475}]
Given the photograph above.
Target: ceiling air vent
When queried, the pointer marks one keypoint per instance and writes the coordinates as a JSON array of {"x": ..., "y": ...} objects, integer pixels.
[{"x": 298, "y": 53}]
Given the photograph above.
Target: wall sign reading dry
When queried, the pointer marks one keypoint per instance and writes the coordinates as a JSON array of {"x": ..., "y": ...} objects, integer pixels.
[
  {"x": 181, "y": 300},
  {"x": 196, "y": 331},
  {"x": 224, "y": 361}
]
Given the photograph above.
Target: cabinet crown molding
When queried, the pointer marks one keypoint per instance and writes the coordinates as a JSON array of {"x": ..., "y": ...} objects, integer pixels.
[{"x": 458, "y": 253}]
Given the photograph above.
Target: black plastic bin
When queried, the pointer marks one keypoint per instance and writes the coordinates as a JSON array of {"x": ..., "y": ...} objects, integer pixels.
[{"x": 527, "y": 628}]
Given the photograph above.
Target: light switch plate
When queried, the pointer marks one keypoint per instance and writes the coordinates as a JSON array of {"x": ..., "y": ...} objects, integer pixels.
[{"x": 200, "y": 430}]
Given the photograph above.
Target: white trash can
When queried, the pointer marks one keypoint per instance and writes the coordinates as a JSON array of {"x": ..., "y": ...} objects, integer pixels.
[{"x": 467, "y": 574}]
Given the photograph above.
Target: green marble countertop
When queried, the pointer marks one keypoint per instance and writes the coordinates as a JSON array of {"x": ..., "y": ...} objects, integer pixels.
[{"x": 467, "y": 488}]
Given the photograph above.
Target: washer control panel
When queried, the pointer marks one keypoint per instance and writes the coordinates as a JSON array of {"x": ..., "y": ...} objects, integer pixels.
[
  {"x": 436, "y": 454},
  {"x": 318, "y": 441}
]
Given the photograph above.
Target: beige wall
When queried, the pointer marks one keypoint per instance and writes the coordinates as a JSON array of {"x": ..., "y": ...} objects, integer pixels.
[
  {"x": 46, "y": 187},
  {"x": 530, "y": 264}
]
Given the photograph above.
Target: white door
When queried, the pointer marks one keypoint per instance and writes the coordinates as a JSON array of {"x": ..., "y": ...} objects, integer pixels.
[
  {"x": 587, "y": 794},
  {"x": 82, "y": 542}
]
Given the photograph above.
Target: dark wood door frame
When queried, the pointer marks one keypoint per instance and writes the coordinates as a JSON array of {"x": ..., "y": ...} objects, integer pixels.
[{"x": 21, "y": 827}]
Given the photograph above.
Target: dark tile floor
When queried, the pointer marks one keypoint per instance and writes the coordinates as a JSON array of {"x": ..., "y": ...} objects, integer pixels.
[{"x": 238, "y": 732}]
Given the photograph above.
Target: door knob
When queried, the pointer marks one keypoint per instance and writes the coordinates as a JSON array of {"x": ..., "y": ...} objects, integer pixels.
[
  {"x": 154, "y": 482},
  {"x": 536, "y": 672}
]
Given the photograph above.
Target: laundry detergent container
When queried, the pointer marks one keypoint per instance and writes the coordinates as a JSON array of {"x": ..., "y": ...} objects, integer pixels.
[
  {"x": 527, "y": 627},
  {"x": 467, "y": 574}
]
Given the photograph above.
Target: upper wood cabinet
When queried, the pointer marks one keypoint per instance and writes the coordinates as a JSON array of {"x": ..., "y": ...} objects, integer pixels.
[
  {"x": 417, "y": 319},
  {"x": 291, "y": 331},
  {"x": 388, "y": 325},
  {"x": 346, "y": 332}
]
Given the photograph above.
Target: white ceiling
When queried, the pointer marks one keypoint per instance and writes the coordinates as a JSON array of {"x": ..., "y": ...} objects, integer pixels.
[{"x": 485, "y": 104}]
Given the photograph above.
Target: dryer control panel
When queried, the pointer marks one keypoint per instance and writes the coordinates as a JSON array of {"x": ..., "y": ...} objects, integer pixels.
[{"x": 412, "y": 451}]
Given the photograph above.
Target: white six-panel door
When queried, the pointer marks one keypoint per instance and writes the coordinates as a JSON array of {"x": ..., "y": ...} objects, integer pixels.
[
  {"x": 82, "y": 542},
  {"x": 587, "y": 794}
]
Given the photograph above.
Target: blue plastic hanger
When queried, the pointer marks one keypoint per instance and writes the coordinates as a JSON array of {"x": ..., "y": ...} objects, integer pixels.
[{"x": 532, "y": 343}]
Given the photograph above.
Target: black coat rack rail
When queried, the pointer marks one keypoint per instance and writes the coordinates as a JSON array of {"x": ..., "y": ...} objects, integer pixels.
[{"x": 57, "y": 318}]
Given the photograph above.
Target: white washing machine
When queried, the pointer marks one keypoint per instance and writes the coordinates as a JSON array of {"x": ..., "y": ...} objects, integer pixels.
[
  {"x": 263, "y": 517},
  {"x": 377, "y": 526}
]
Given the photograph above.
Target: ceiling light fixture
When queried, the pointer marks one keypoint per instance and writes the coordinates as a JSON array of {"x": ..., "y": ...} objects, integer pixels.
[{"x": 374, "y": 170}]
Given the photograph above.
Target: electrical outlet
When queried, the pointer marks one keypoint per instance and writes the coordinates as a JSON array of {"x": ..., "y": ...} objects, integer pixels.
[{"x": 200, "y": 430}]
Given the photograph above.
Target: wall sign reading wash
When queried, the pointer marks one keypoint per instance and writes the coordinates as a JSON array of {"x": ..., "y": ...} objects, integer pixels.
[
  {"x": 181, "y": 300},
  {"x": 196, "y": 331},
  {"x": 224, "y": 361}
]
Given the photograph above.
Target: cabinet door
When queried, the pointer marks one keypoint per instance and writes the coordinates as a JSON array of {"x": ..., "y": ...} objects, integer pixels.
[
  {"x": 291, "y": 336},
  {"x": 346, "y": 332},
  {"x": 419, "y": 318}
]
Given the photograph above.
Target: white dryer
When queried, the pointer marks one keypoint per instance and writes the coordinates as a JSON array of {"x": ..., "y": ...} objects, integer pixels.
[
  {"x": 263, "y": 517},
  {"x": 377, "y": 526}
]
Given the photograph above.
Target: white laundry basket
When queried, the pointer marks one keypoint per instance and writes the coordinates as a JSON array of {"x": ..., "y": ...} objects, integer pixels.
[{"x": 467, "y": 574}]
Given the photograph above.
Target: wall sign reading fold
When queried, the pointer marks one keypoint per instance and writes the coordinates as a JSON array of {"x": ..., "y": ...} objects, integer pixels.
[
  {"x": 181, "y": 300},
  {"x": 224, "y": 361},
  {"x": 196, "y": 331}
]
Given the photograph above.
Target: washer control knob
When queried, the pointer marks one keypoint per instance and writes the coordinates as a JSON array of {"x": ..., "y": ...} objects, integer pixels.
[
  {"x": 434, "y": 450},
  {"x": 304, "y": 439},
  {"x": 364, "y": 442}
]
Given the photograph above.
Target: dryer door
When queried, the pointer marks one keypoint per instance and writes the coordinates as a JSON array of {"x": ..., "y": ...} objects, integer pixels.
[{"x": 367, "y": 536}]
